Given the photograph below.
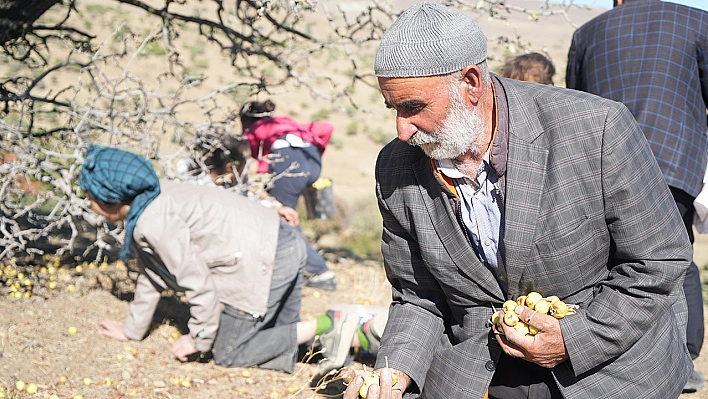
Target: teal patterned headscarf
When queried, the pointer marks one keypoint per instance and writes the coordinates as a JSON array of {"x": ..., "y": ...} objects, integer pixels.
[{"x": 111, "y": 175}]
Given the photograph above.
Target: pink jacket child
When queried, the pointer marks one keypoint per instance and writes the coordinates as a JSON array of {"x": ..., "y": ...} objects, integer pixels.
[{"x": 263, "y": 133}]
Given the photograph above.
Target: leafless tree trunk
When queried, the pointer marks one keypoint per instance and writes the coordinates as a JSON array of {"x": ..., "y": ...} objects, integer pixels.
[{"x": 16, "y": 16}]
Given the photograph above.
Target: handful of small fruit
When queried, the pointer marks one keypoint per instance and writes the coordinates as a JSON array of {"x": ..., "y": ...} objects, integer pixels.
[
  {"x": 373, "y": 379},
  {"x": 551, "y": 306}
]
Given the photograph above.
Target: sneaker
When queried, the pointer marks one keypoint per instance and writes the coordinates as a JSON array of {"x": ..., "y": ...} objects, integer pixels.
[
  {"x": 695, "y": 382},
  {"x": 326, "y": 281},
  {"x": 336, "y": 343}
]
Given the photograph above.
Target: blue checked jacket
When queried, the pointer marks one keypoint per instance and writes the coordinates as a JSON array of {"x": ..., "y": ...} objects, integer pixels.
[
  {"x": 588, "y": 217},
  {"x": 653, "y": 57}
]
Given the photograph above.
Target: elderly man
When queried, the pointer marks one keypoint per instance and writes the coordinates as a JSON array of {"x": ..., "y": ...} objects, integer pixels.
[
  {"x": 496, "y": 188},
  {"x": 653, "y": 57}
]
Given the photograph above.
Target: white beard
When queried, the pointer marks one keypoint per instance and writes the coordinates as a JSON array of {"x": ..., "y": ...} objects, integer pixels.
[{"x": 461, "y": 131}]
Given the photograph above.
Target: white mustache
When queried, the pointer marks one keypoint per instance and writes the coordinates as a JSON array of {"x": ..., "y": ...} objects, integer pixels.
[{"x": 422, "y": 137}]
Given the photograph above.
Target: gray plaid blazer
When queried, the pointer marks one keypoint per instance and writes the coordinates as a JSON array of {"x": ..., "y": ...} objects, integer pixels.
[{"x": 588, "y": 217}]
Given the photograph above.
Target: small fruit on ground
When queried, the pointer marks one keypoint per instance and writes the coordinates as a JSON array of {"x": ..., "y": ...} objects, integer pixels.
[
  {"x": 72, "y": 330},
  {"x": 32, "y": 388}
]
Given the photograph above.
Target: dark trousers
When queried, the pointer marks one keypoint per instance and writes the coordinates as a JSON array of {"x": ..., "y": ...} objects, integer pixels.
[
  {"x": 518, "y": 379},
  {"x": 692, "y": 284},
  {"x": 287, "y": 190}
]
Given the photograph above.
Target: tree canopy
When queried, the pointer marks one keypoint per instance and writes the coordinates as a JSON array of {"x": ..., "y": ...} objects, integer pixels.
[{"x": 131, "y": 73}]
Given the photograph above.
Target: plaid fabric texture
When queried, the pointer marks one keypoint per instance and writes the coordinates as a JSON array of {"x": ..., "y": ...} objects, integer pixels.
[
  {"x": 577, "y": 224},
  {"x": 653, "y": 57},
  {"x": 110, "y": 175}
]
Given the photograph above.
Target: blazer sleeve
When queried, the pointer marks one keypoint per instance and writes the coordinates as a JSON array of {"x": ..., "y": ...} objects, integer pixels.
[
  {"x": 648, "y": 257},
  {"x": 169, "y": 238},
  {"x": 415, "y": 322}
]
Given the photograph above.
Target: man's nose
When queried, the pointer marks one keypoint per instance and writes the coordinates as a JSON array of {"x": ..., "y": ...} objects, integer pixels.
[{"x": 405, "y": 128}]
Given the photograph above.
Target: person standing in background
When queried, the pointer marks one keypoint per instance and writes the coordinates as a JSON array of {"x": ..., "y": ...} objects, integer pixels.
[
  {"x": 653, "y": 57},
  {"x": 278, "y": 143}
]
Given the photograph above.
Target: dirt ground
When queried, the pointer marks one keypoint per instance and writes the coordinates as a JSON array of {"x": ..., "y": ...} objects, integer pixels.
[
  {"x": 37, "y": 346},
  {"x": 36, "y": 341}
]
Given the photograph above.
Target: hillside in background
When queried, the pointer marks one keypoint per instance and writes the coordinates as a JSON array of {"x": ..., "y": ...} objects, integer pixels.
[{"x": 36, "y": 343}]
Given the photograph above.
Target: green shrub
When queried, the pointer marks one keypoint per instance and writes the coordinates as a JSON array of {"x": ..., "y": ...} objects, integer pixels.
[
  {"x": 201, "y": 63},
  {"x": 321, "y": 115},
  {"x": 153, "y": 48},
  {"x": 352, "y": 128}
]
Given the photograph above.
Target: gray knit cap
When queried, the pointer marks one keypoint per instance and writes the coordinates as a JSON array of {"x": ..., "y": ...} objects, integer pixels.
[{"x": 429, "y": 39}]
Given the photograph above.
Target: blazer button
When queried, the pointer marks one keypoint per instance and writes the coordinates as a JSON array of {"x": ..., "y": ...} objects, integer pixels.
[{"x": 490, "y": 366}]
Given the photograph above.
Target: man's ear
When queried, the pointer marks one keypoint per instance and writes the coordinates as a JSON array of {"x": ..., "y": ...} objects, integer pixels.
[{"x": 472, "y": 77}]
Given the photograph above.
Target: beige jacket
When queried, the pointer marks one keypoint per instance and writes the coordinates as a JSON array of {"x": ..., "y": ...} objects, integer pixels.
[{"x": 213, "y": 245}]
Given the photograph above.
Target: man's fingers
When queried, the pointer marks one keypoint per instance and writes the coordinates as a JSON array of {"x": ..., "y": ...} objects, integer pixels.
[
  {"x": 385, "y": 376},
  {"x": 531, "y": 317},
  {"x": 505, "y": 341},
  {"x": 352, "y": 391},
  {"x": 374, "y": 392},
  {"x": 383, "y": 388}
]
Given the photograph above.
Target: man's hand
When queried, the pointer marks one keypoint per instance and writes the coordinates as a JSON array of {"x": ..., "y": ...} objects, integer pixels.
[
  {"x": 290, "y": 215},
  {"x": 546, "y": 348},
  {"x": 355, "y": 379},
  {"x": 183, "y": 347},
  {"x": 112, "y": 329}
]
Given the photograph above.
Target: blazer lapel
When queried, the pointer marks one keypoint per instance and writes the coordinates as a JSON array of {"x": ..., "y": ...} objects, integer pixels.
[
  {"x": 448, "y": 230},
  {"x": 526, "y": 171}
]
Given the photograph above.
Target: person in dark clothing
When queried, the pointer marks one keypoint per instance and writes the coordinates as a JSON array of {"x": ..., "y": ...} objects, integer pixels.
[{"x": 653, "y": 57}]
